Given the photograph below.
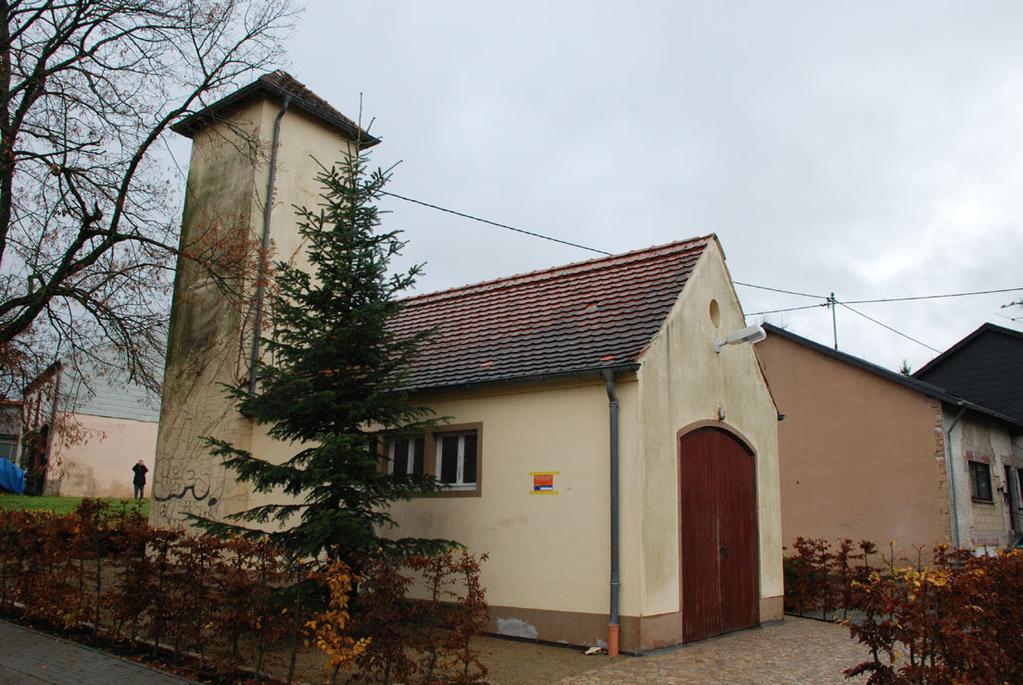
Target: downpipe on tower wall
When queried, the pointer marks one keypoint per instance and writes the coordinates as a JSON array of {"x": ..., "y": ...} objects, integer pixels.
[
  {"x": 265, "y": 245},
  {"x": 612, "y": 397},
  {"x": 950, "y": 465}
]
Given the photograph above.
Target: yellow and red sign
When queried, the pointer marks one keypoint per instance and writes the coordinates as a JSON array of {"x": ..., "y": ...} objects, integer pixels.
[{"x": 543, "y": 483}]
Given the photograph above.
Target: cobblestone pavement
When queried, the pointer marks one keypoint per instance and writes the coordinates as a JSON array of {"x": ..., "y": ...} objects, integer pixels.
[
  {"x": 795, "y": 651},
  {"x": 34, "y": 658}
]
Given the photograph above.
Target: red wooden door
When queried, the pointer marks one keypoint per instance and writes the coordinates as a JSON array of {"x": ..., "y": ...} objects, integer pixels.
[{"x": 718, "y": 560}]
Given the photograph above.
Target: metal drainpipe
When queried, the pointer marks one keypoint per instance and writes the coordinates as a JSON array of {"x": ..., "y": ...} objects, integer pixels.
[
  {"x": 267, "y": 210},
  {"x": 952, "y": 475},
  {"x": 612, "y": 397}
]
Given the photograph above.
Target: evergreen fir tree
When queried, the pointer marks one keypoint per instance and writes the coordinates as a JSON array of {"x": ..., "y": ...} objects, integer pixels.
[{"x": 331, "y": 383}]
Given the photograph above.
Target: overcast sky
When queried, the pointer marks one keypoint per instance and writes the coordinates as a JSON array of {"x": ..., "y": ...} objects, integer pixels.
[{"x": 870, "y": 149}]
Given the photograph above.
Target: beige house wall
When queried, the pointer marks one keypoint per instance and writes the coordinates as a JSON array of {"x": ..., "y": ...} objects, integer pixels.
[
  {"x": 684, "y": 382},
  {"x": 100, "y": 465},
  {"x": 548, "y": 553},
  {"x": 210, "y": 333},
  {"x": 861, "y": 456}
]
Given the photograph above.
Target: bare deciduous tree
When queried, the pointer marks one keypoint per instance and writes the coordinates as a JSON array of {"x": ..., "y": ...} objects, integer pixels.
[{"x": 88, "y": 210}]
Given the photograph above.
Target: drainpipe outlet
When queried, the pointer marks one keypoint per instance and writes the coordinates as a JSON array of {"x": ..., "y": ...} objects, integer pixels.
[{"x": 612, "y": 639}]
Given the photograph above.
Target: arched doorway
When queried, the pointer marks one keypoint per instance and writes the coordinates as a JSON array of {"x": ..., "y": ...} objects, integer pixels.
[{"x": 718, "y": 530}]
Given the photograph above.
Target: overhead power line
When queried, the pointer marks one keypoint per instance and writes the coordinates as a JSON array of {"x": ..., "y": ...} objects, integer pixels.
[
  {"x": 935, "y": 297},
  {"x": 875, "y": 301},
  {"x": 884, "y": 325},
  {"x": 832, "y": 301},
  {"x": 780, "y": 290},
  {"x": 885, "y": 299},
  {"x": 788, "y": 309},
  {"x": 494, "y": 223},
  {"x": 854, "y": 311},
  {"x": 829, "y": 301}
]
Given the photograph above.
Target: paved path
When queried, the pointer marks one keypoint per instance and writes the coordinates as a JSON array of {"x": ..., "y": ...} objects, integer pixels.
[
  {"x": 30, "y": 657},
  {"x": 796, "y": 651}
]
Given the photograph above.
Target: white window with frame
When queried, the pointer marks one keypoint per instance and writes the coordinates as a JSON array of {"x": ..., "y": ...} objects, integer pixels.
[
  {"x": 458, "y": 460},
  {"x": 8, "y": 447},
  {"x": 405, "y": 457}
]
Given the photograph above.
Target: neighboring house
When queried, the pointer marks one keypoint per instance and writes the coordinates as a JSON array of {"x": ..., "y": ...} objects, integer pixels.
[
  {"x": 84, "y": 426},
  {"x": 985, "y": 367},
  {"x": 865, "y": 453},
  {"x": 546, "y": 378}
]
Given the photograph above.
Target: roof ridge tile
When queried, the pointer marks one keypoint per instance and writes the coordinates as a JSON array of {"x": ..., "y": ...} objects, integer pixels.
[{"x": 550, "y": 273}]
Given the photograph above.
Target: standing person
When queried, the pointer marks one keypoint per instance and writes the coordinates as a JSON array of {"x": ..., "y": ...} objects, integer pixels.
[{"x": 140, "y": 478}]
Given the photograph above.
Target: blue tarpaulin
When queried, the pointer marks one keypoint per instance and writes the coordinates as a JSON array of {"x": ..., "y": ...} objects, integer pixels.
[{"x": 12, "y": 478}]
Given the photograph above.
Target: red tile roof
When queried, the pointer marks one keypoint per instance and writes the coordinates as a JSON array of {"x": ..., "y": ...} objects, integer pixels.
[{"x": 568, "y": 320}]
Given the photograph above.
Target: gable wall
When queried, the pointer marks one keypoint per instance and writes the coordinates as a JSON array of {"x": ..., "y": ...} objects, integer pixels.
[
  {"x": 861, "y": 457},
  {"x": 682, "y": 382}
]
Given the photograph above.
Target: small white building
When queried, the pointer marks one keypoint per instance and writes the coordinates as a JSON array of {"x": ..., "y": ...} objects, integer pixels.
[{"x": 617, "y": 466}]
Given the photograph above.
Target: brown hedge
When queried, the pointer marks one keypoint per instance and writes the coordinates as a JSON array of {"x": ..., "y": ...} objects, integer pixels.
[
  {"x": 956, "y": 619},
  {"x": 228, "y": 604}
]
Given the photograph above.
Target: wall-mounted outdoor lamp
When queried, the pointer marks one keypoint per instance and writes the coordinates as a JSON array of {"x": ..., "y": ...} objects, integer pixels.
[{"x": 750, "y": 334}]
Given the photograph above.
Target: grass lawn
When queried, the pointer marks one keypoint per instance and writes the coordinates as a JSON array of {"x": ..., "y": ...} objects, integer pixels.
[{"x": 60, "y": 505}]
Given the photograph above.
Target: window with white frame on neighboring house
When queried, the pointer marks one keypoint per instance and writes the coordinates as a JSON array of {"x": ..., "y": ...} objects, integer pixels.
[
  {"x": 406, "y": 457},
  {"x": 980, "y": 481},
  {"x": 457, "y": 460},
  {"x": 8, "y": 446}
]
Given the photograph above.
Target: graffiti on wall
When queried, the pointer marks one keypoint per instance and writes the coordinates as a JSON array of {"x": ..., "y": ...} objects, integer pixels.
[{"x": 187, "y": 478}]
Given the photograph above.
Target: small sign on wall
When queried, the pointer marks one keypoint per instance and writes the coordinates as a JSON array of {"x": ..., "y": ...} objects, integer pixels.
[{"x": 543, "y": 483}]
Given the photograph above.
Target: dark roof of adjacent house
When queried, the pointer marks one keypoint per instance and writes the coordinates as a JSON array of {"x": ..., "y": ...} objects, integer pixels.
[
  {"x": 910, "y": 382},
  {"x": 985, "y": 367},
  {"x": 278, "y": 85},
  {"x": 567, "y": 321}
]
